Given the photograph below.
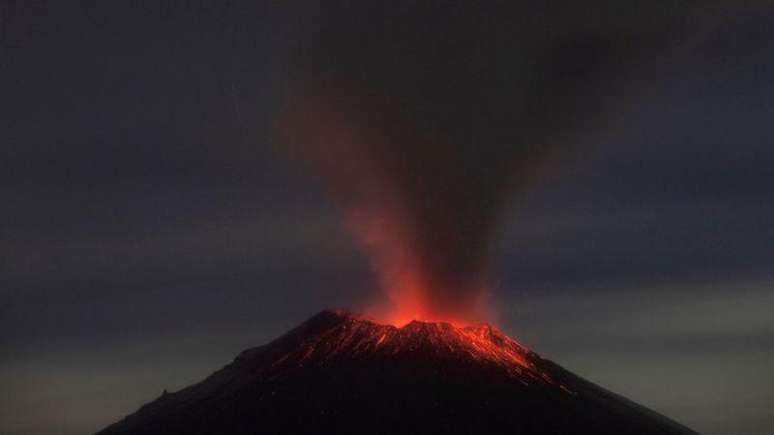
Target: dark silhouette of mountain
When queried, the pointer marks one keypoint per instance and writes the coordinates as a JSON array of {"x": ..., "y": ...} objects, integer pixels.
[{"x": 338, "y": 373}]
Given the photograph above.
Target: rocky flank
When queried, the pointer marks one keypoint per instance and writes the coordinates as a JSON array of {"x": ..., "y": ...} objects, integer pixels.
[{"x": 338, "y": 373}]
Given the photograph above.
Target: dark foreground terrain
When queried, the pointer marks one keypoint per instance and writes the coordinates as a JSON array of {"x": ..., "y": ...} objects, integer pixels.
[{"x": 338, "y": 373}]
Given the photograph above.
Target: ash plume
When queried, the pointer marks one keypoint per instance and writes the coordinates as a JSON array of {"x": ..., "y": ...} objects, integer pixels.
[{"x": 424, "y": 118}]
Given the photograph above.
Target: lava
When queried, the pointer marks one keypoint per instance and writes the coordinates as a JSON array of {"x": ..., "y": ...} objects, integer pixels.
[{"x": 359, "y": 337}]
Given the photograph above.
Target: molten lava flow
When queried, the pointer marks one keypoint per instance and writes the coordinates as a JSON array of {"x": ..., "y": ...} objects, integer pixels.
[{"x": 444, "y": 345}]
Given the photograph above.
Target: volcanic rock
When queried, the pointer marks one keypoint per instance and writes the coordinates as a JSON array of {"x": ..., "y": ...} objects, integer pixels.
[{"x": 338, "y": 373}]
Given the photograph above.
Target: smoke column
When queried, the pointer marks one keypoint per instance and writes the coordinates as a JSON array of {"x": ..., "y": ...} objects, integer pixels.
[{"x": 424, "y": 118}]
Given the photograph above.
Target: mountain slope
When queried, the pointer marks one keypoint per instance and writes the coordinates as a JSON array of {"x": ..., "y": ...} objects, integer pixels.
[{"x": 339, "y": 373}]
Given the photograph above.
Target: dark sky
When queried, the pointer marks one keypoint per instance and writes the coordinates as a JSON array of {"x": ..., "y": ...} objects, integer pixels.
[{"x": 151, "y": 230}]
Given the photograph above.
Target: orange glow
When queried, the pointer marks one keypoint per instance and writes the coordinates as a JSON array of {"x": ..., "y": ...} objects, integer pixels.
[
  {"x": 382, "y": 215},
  {"x": 409, "y": 302},
  {"x": 405, "y": 313},
  {"x": 407, "y": 305},
  {"x": 361, "y": 336}
]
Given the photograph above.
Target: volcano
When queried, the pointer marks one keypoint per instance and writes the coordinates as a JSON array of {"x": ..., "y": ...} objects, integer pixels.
[{"x": 340, "y": 373}]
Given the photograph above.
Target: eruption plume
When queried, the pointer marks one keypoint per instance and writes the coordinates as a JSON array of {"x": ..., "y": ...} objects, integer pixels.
[{"x": 425, "y": 117}]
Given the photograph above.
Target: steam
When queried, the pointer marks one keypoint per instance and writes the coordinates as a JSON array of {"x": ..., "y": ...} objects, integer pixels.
[{"x": 425, "y": 120}]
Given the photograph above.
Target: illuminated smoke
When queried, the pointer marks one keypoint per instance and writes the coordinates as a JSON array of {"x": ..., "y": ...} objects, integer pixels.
[{"x": 425, "y": 119}]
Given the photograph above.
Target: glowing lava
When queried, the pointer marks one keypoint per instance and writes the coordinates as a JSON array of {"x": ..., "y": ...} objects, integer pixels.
[{"x": 356, "y": 337}]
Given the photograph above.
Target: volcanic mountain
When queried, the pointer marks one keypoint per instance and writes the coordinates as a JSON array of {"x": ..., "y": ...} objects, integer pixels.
[{"x": 339, "y": 373}]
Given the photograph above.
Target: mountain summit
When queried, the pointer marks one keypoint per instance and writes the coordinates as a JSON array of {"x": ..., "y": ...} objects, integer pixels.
[{"x": 339, "y": 373}]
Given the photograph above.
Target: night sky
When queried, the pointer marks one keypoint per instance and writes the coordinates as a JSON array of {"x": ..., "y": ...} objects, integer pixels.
[{"x": 151, "y": 228}]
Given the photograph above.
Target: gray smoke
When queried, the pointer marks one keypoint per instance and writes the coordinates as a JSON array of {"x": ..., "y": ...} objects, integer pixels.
[{"x": 425, "y": 117}]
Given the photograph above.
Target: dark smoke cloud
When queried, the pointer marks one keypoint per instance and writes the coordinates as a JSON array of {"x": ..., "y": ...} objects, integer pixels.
[{"x": 425, "y": 117}]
